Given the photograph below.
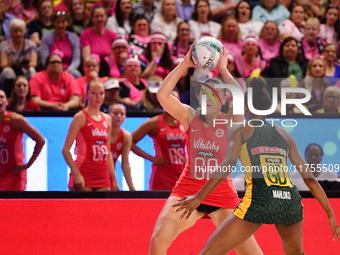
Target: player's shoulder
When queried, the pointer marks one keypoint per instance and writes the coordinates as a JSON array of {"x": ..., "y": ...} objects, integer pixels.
[{"x": 284, "y": 133}]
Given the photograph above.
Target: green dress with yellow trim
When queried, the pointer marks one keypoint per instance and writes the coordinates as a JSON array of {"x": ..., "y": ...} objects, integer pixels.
[{"x": 270, "y": 197}]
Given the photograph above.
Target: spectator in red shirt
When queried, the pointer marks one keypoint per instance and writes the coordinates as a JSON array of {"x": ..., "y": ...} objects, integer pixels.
[
  {"x": 21, "y": 99},
  {"x": 97, "y": 39},
  {"x": 54, "y": 89}
]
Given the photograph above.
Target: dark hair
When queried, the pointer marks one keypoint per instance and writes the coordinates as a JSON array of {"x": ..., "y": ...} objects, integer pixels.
[
  {"x": 96, "y": 8},
  {"x": 48, "y": 59},
  {"x": 60, "y": 14},
  {"x": 39, "y": 7},
  {"x": 25, "y": 3},
  {"x": 225, "y": 107},
  {"x": 194, "y": 15},
  {"x": 237, "y": 6},
  {"x": 166, "y": 59},
  {"x": 313, "y": 144},
  {"x": 135, "y": 19},
  {"x": 285, "y": 41},
  {"x": 119, "y": 16},
  {"x": 261, "y": 97},
  {"x": 85, "y": 14},
  {"x": 337, "y": 22},
  {"x": 330, "y": 44},
  {"x": 12, "y": 103}
]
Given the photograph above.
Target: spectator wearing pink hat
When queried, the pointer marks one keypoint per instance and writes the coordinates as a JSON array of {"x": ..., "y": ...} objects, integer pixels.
[
  {"x": 140, "y": 36},
  {"x": 269, "y": 43},
  {"x": 116, "y": 61},
  {"x": 132, "y": 87},
  {"x": 91, "y": 69},
  {"x": 183, "y": 41},
  {"x": 230, "y": 36},
  {"x": 167, "y": 21},
  {"x": 97, "y": 39},
  {"x": 157, "y": 57},
  {"x": 62, "y": 6},
  {"x": 250, "y": 60},
  {"x": 63, "y": 41},
  {"x": 54, "y": 89}
]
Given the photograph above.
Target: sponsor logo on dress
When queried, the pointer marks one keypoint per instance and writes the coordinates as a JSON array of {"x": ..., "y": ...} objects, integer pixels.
[
  {"x": 105, "y": 124},
  {"x": 175, "y": 137},
  {"x": 194, "y": 130},
  {"x": 119, "y": 146},
  {"x": 181, "y": 127},
  {"x": 265, "y": 149},
  {"x": 6, "y": 128},
  {"x": 280, "y": 194},
  {"x": 219, "y": 132},
  {"x": 200, "y": 144},
  {"x": 99, "y": 142},
  {"x": 207, "y": 154},
  {"x": 97, "y": 132}
]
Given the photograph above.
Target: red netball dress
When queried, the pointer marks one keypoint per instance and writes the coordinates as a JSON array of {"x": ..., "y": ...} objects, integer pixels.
[
  {"x": 116, "y": 147},
  {"x": 168, "y": 142},
  {"x": 92, "y": 153},
  {"x": 207, "y": 146},
  {"x": 11, "y": 154}
]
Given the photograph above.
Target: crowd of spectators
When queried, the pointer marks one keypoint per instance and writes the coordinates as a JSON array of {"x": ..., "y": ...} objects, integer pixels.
[{"x": 61, "y": 46}]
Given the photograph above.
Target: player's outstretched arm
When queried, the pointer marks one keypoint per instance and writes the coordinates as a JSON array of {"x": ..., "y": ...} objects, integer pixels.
[
  {"x": 190, "y": 203},
  {"x": 317, "y": 191},
  {"x": 170, "y": 103}
]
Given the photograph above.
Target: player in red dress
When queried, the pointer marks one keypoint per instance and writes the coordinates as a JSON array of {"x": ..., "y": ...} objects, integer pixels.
[
  {"x": 121, "y": 141},
  {"x": 91, "y": 128},
  {"x": 207, "y": 147},
  {"x": 169, "y": 142},
  {"x": 13, "y": 173}
]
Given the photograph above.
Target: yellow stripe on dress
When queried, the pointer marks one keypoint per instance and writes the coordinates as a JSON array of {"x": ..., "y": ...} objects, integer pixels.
[{"x": 242, "y": 208}]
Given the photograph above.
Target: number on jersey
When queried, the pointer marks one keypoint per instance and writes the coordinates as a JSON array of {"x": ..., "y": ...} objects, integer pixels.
[
  {"x": 100, "y": 152},
  {"x": 3, "y": 156},
  {"x": 204, "y": 168}
]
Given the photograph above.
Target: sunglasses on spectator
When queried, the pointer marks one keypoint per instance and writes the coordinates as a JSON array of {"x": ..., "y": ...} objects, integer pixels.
[{"x": 55, "y": 62}]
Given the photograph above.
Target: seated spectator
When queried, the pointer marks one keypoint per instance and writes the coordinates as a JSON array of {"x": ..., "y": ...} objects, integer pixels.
[
  {"x": 331, "y": 100},
  {"x": 63, "y": 41},
  {"x": 112, "y": 89},
  {"x": 115, "y": 63},
  {"x": 332, "y": 69},
  {"x": 157, "y": 57},
  {"x": 313, "y": 156},
  {"x": 249, "y": 61},
  {"x": 20, "y": 98},
  {"x": 53, "y": 88},
  {"x": 288, "y": 62},
  {"x": 183, "y": 84},
  {"x": 185, "y": 8},
  {"x": 62, "y": 6},
  {"x": 182, "y": 42},
  {"x": 330, "y": 27},
  {"x": 108, "y": 5},
  {"x": 290, "y": 108},
  {"x": 149, "y": 101},
  {"x": 311, "y": 45},
  {"x": 167, "y": 21},
  {"x": 270, "y": 10},
  {"x": 79, "y": 17},
  {"x": 18, "y": 55},
  {"x": 315, "y": 9},
  {"x": 97, "y": 39},
  {"x": 91, "y": 70},
  {"x": 230, "y": 36},
  {"x": 148, "y": 8},
  {"x": 295, "y": 25},
  {"x": 43, "y": 24},
  {"x": 269, "y": 43},
  {"x": 316, "y": 83},
  {"x": 140, "y": 36},
  {"x": 132, "y": 87},
  {"x": 201, "y": 21},
  {"x": 243, "y": 16},
  {"x": 121, "y": 22},
  {"x": 25, "y": 10},
  {"x": 5, "y": 20}
]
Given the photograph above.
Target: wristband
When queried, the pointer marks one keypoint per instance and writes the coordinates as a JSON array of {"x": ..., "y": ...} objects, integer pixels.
[{"x": 156, "y": 60}]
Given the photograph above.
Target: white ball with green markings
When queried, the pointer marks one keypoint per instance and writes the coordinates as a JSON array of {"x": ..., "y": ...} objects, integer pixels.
[{"x": 206, "y": 53}]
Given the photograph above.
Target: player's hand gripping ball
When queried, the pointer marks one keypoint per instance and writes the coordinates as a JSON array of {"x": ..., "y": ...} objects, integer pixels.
[{"x": 206, "y": 53}]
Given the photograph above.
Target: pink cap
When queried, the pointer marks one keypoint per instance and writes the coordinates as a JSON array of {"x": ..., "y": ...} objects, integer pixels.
[
  {"x": 58, "y": 52},
  {"x": 250, "y": 38},
  {"x": 158, "y": 37},
  {"x": 95, "y": 56}
]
